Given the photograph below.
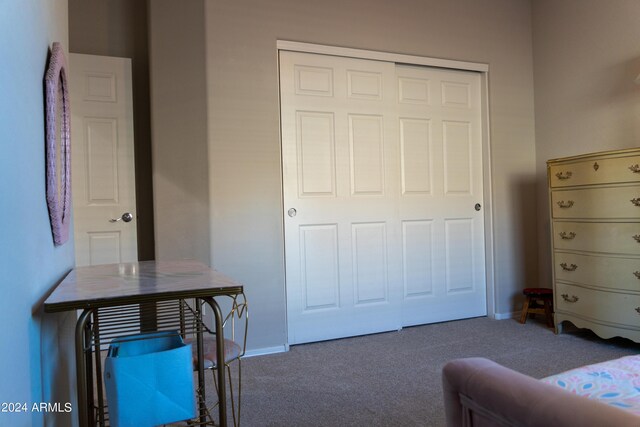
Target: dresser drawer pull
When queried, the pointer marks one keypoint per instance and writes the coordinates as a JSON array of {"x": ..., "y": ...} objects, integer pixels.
[
  {"x": 635, "y": 168},
  {"x": 637, "y": 238},
  {"x": 565, "y": 205},
  {"x": 637, "y": 274},
  {"x": 636, "y": 201},
  {"x": 566, "y": 267},
  {"x": 567, "y": 236},
  {"x": 565, "y": 175},
  {"x": 568, "y": 298},
  {"x": 638, "y": 310}
]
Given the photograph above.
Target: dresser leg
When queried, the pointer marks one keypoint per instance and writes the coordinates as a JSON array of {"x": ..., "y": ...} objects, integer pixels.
[{"x": 558, "y": 329}]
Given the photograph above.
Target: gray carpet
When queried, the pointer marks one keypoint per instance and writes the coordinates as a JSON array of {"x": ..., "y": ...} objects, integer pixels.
[{"x": 394, "y": 379}]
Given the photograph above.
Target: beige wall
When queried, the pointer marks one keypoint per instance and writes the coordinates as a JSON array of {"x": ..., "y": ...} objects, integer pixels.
[
  {"x": 587, "y": 56},
  {"x": 243, "y": 119},
  {"x": 119, "y": 28},
  {"x": 179, "y": 117}
]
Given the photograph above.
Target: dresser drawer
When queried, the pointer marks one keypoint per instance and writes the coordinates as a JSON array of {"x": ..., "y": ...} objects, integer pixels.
[
  {"x": 608, "y": 237},
  {"x": 611, "y": 307},
  {"x": 600, "y": 171},
  {"x": 616, "y": 202},
  {"x": 602, "y": 271}
]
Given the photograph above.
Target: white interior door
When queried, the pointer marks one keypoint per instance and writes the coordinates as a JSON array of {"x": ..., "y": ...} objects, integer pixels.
[
  {"x": 338, "y": 183},
  {"x": 441, "y": 195},
  {"x": 382, "y": 168},
  {"x": 103, "y": 175}
]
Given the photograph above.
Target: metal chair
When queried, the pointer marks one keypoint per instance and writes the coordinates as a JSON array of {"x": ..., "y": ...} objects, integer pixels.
[{"x": 235, "y": 327}]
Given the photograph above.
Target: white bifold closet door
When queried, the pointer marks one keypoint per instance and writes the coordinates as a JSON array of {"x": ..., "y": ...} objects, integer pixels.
[{"x": 382, "y": 171}]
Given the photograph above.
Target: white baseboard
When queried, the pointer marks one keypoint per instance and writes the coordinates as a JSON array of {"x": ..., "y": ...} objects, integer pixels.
[
  {"x": 267, "y": 350},
  {"x": 509, "y": 315}
]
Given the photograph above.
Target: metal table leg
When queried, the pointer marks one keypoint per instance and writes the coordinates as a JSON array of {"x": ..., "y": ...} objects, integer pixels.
[
  {"x": 222, "y": 389},
  {"x": 98, "y": 360},
  {"x": 200, "y": 353},
  {"x": 83, "y": 367}
]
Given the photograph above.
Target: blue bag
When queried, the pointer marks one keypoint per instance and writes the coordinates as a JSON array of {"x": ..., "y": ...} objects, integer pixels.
[{"x": 149, "y": 380}]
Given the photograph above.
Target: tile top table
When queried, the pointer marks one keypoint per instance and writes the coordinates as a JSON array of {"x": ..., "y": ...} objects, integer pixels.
[
  {"x": 130, "y": 283},
  {"x": 95, "y": 287}
]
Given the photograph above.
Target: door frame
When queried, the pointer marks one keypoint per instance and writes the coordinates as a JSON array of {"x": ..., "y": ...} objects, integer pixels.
[{"x": 483, "y": 70}]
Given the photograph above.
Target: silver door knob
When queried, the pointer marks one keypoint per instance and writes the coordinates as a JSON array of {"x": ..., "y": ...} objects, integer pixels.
[
  {"x": 126, "y": 217},
  {"x": 478, "y": 206},
  {"x": 292, "y": 212}
]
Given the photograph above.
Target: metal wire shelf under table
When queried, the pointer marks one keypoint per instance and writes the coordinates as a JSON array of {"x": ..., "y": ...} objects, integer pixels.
[{"x": 107, "y": 323}]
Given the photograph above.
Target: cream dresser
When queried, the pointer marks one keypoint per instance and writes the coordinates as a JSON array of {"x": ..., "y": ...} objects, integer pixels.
[{"x": 595, "y": 225}]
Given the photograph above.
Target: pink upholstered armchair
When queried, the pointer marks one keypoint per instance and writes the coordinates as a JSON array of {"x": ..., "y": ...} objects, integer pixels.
[{"x": 480, "y": 393}]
